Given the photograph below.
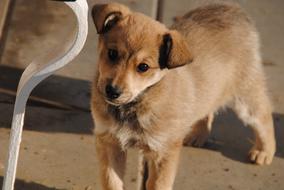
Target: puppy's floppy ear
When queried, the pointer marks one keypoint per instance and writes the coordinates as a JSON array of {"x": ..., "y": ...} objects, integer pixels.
[
  {"x": 105, "y": 16},
  {"x": 174, "y": 51}
]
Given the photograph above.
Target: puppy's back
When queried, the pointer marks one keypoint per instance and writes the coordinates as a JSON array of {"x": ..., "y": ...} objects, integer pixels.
[
  {"x": 225, "y": 48},
  {"x": 214, "y": 24},
  {"x": 218, "y": 16}
]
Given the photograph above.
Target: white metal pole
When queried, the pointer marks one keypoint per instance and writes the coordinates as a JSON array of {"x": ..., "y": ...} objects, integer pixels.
[{"x": 37, "y": 71}]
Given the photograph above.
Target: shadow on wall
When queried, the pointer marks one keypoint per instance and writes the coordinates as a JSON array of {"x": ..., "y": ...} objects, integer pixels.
[
  {"x": 230, "y": 137},
  {"x": 61, "y": 104},
  {"x": 74, "y": 93},
  {"x": 50, "y": 120},
  {"x": 23, "y": 185}
]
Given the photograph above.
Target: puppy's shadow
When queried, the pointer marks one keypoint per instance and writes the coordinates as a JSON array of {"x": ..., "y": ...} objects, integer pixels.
[
  {"x": 234, "y": 140},
  {"x": 23, "y": 185}
]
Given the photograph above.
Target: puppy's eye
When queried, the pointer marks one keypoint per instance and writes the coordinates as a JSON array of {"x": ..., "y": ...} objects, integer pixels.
[
  {"x": 112, "y": 54},
  {"x": 142, "y": 67}
]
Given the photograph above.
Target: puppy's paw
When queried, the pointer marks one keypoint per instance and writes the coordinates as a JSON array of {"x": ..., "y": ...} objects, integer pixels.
[
  {"x": 261, "y": 157},
  {"x": 200, "y": 132},
  {"x": 196, "y": 139}
]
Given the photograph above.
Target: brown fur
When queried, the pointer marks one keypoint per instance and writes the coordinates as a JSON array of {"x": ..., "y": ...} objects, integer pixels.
[{"x": 213, "y": 62}]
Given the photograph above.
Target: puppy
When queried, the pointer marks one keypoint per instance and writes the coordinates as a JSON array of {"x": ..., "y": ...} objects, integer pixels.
[{"x": 154, "y": 83}]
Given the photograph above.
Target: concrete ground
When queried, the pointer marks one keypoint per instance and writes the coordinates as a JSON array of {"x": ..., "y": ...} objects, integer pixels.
[{"x": 57, "y": 150}]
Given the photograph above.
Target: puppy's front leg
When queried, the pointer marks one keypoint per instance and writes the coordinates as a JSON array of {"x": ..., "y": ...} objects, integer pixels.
[
  {"x": 162, "y": 168},
  {"x": 112, "y": 161}
]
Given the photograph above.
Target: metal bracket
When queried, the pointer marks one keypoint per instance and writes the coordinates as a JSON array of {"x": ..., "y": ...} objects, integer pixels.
[{"x": 38, "y": 70}]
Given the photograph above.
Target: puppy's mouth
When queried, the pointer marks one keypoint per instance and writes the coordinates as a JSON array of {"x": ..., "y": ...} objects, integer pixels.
[
  {"x": 118, "y": 102},
  {"x": 125, "y": 99},
  {"x": 113, "y": 103}
]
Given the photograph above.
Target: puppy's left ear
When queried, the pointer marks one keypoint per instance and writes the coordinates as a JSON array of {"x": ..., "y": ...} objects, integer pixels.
[
  {"x": 174, "y": 51},
  {"x": 106, "y": 16}
]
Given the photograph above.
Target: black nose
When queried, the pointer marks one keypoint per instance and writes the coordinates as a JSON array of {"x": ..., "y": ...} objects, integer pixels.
[{"x": 112, "y": 92}]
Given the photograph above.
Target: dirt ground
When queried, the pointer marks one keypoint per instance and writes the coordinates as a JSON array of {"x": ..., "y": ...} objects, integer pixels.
[{"x": 57, "y": 150}]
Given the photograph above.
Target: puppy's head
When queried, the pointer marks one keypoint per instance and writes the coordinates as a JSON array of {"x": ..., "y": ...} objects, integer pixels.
[{"x": 135, "y": 52}]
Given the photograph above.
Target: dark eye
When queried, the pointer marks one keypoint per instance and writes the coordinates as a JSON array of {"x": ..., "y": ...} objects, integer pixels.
[
  {"x": 142, "y": 67},
  {"x": 112, "y": 54}
]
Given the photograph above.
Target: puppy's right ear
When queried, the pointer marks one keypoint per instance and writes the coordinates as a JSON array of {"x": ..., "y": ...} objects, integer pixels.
[{"x": 106, "y": 16}]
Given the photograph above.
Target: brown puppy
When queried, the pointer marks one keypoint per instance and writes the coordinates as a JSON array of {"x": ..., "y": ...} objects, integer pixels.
[{"x": 153, "y": 83}]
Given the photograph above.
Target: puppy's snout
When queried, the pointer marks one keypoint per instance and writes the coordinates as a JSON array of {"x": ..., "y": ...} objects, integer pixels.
[{"x": 112, "y": 92}]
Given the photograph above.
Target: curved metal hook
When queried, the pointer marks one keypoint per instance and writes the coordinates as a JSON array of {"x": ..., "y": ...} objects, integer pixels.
[{"x": 37, "y": 71}]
